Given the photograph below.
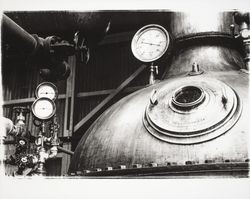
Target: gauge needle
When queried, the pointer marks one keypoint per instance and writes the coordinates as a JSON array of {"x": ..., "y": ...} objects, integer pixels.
[{"x": 151, "y": 43}]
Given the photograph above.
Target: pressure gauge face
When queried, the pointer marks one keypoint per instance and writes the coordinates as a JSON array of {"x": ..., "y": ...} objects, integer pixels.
[
  {"x": 150, "y": 43},
  {"x": 43, "y": 108},
  {"x": 46, "y": 89}
]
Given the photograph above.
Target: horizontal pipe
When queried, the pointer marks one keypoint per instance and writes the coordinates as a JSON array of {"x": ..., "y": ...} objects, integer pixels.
[
  {"x": 61, "y": 149},
  {"x": 23, "y": 40}
]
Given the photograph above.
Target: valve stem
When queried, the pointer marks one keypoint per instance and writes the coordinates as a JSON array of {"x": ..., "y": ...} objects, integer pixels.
[
  {"x": 153, "y": 72},
  {"x": 243, "y": 19}
]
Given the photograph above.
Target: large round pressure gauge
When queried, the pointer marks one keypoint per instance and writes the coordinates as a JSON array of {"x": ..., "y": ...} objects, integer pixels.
[
  {"x": 46, "y": 89},
  {"x": 150, "y": 43},
  {"x": 43, "y": 108}
]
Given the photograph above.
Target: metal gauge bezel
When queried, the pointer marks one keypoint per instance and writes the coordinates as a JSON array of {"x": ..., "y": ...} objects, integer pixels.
[
  {"x": 48, "y": 84},
  {"x": 43, "y": 99},
  {"x": 142, "y": 31}
]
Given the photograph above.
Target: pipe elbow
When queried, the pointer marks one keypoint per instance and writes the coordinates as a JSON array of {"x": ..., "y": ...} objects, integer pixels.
[
  {"x": 8, "y": 126},
  {"x": 53, "y": 152}
]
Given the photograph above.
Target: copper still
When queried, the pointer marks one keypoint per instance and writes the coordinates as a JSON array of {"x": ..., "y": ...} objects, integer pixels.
[{"x": 193, "y": 122}]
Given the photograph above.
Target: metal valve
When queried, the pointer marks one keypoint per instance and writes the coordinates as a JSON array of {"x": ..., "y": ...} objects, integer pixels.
[
  {"x": 19, "y": 128},
  {"x": 56, "y": 45},
  {"x": 81, "y": 48},
  {"x": 153, "y": 72},
  {"x": 243, "y": 20},
  {"x": 21, "y": 111},
  {"x": 56, "y": 52}
]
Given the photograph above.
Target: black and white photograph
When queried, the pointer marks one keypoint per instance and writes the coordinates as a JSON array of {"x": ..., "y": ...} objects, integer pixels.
[{"x": 134, "y": 95}]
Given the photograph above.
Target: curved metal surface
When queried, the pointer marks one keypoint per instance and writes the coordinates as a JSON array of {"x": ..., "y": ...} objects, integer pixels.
[
  {"x": 119, "y": 137},
  {"x": 203, "y": 38},
  {"x": 208, "y": 57},
  {"x": 196, "y": 124},
  {"x": 199, "y": 22}
]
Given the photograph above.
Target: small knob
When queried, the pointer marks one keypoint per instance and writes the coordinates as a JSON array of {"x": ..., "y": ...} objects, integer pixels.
[
  {"x": 232, "y": 29},
  {"x": 195, "y": 69}
]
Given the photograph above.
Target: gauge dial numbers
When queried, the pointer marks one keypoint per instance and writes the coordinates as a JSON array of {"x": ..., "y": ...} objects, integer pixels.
[
  {"x": 46, "y": 89},
  {"x": 150, "y": 43},
  {"x": 43, "y": 108}
]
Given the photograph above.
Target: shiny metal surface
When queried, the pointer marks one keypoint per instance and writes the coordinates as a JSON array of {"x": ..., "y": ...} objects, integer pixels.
[
  {"x": 192, "y": 122},
  {"x": 188, "y": 23},
  {"x": 119, "y": 137},
  {"x": 209, "y": 57},
  {"x": 156, "y": 125},
  {"x": 205, "y": 39}
]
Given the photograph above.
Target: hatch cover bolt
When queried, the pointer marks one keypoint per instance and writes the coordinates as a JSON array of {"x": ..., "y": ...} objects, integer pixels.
[
  {"x": 153, "y": 164},
  {"x": 137, "y": 166},
  {"x": 122, "y": 167},
  {"x": 195, "y": 70}
]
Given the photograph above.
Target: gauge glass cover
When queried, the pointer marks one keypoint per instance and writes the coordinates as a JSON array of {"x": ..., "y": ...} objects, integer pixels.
[
  {"x": 47, "y": 90},
  {"x": 43, "y": 108},
  {"x": 150, "y": 43}
]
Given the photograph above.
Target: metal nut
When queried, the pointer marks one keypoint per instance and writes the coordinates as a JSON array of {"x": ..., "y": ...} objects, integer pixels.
[
  {"x": 137, "y": 166},
  {"x": 153, "y": 164},
  {"x": 79, "y": 173},
  {"x": 208, "y": 161},
  {"x": 189, "y": 162},
  {"x": 109, "y": 168},
  {"x": 122, "y": 167}
]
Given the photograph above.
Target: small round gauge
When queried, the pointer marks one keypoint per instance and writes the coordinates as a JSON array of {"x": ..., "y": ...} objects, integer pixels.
[
  {"x": 150, "y": 43},
  {"x": 43, "y": 108},
  {"x": 46, "y": 89}
]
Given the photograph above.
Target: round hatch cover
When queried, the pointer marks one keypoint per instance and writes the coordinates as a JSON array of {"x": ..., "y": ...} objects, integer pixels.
[{"x": 192, "y": 110}]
